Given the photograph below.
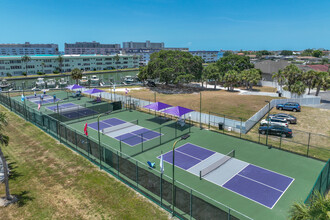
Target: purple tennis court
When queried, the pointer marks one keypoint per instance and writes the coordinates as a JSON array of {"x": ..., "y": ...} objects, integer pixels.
[
  {"x": 46, "y": 99},
  {"x": 260, "y": 185},
  {"x": 72, "y": 111},
  {"x": 125, "y": 132}
]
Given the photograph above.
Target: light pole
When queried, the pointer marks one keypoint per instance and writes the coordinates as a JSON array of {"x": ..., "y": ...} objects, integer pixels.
[
  {"x": 184, "y": 137},
  {"x": 269, "y": 147},
  {"x": 98, "y": 134}
]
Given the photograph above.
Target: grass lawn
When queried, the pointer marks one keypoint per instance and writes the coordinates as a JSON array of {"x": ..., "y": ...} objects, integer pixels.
[
  {"x": 53, "y": 182},
  {"x": 220, "y": 101}
]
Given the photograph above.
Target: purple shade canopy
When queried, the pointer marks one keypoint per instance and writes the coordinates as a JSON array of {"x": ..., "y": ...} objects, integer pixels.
[
  {"x": 75, "y": 86},
  {"x": 157, "y": 106},
  {"x": 178, "y": 111},
  {"x": 92, "y": 91}
]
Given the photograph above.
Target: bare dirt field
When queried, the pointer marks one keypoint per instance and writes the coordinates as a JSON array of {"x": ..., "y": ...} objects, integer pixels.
[{"x": 224, "y": 102}]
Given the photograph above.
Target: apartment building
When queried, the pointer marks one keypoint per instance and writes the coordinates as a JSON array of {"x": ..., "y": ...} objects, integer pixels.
[
  {"x": 28, "y": 49},
  {"x": 14, "y": 65},
  {"x": 91, "y": 48},
  {"x": 143, "y": 45},
  {"x": 207, "y": 56}
]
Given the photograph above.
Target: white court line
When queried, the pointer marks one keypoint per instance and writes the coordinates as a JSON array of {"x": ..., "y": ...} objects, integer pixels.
[
  {"x": 283, "y": 192},
  {"x": 111, "y": 124},
  {"x": 189, "y": 155},
  {"x": 247, "y": 197},
  {"x": 271, "y": 171},
  {"x": 235, "y": 174},
  {"x": 259, "y": 182}
]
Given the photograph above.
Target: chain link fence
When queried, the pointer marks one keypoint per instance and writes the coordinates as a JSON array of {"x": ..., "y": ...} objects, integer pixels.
[{"x": 187, "y": 203}]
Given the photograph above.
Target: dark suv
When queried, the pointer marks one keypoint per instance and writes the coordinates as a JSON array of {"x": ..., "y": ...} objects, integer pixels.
[
  {"x": 290, "y": 119},
  {"x": 292, "y": 106}
]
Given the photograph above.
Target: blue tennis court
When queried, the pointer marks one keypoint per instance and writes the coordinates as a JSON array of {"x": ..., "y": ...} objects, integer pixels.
[
  {"x": 72, "y": 111},
  {"x": 126, "y": 132},
  {"x": 250, "y": 181}
]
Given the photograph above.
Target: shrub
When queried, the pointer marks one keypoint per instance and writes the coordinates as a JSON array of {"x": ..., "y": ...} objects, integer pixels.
[
  {"x": 9, "y": 75},
  {"x": 56, "y": 72}
]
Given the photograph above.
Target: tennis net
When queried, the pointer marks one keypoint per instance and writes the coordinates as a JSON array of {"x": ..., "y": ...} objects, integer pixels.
[
  {"x": 71, "y": 109},
  {"x": 119, "y": 127},
  {"x": 216, "y": 164}
]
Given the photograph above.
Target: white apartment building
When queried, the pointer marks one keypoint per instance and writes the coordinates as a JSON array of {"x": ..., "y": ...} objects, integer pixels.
[
  {"x": 28, "y": 49},
  {"x": 207, "y": 56},
  {"x": 14, "y": 65},
  {"x": 91, "y": 48}
]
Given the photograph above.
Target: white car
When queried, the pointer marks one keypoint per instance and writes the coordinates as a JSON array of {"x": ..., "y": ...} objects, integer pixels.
[{"x": 274, "y": 121}]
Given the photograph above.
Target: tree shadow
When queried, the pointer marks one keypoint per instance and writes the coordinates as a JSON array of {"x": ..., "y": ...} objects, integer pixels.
[{"x": 23, "y": 198}]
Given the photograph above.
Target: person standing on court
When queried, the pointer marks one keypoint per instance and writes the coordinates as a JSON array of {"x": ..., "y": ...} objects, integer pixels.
[
  {"x": 54, "y": 96},
  {"x": 41, "y": 97}
]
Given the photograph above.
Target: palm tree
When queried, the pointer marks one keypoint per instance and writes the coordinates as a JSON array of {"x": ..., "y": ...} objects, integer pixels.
[
  {"x": 43, "y": 66},
  {"x": 308, "y": 78},
  {"x": 25, "y": 59},
  {"x": 76, "y": 74},
  {"x": 116, "y": 58},
  {"x": 279, "y": 76},
  {"x": 4, "y": 140},
  {"x": 321, "y": 80},
  {"x": 60, "y": 62},
  {"x": 317, "y": 209}
]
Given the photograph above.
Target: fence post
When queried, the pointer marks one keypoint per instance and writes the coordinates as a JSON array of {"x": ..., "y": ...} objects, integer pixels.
[
  {"x": 142, "y": 141},
  {"x": 328, "y": 172},
  {"x": 240, "y": 130},
  {"x": 176, "y": 127},
  {"x": 161, "y": 188},
  {"x": 224, "y": 123},
  {"x": 228, "y": 214},
  {"x": 120, "y": 146},
  {"x": 100, "y": 147},
  {"x": 309, "y": 138},
  {"x": 191, "y": 197},
  {"x": 321, "y": 182},
  {"x": 137, "y": 175},
  {"x": 76, "y": 139},
  {"x": 59, "y": 132},
  {"x": 117, "y": 164},
  {"x": 209, "y": 120},
  {"x": 87, "y": 142},
  {"x": 160, "y": 136}
]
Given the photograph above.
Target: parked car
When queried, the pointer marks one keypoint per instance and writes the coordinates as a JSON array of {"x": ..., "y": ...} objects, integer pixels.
[
  {"x": 274, "y": 121},
  {"x": 290, "y": 119},
  {"x": 292, "y": 106},
  {"x": 276, "y": 130}
]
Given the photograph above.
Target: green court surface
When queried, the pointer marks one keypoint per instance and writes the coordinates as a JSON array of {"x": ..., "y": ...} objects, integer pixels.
[{"x": 304, "y": 170}]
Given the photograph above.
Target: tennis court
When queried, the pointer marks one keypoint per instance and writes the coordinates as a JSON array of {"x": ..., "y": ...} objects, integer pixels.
[
  {"x": 263, "y": 182},
  {"x": 37, "y": 99},
  {"x": 71, "y": 110},
  {"x": 127, "y": 132},
  {"x": 252, "y": 182}
]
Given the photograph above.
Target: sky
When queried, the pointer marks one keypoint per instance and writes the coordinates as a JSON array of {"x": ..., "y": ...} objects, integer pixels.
[{"x": 198, "y": 25}]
